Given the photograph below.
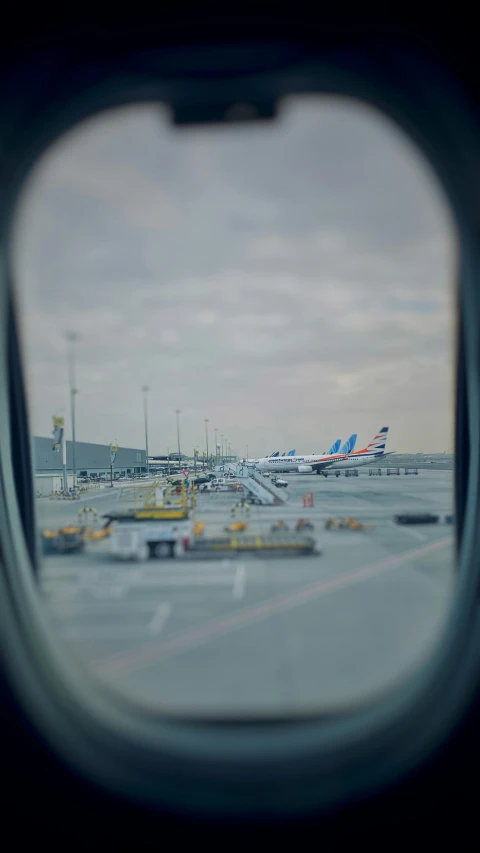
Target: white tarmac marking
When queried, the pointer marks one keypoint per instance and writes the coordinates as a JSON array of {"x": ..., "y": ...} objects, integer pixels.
[
  {"x": 104, "y": 632},
  {"x": 179, "y": 581},
  {"x": 112, "y": 592},
  {"x": 119, "y": 631},
  {"x": 335, "y": 537},
  {"x": 159, "y": 618},
  {"x": 154, "y": 653},
  {"x": 239, "y": 582},
  {"x": 415, "y": 533},
  {"x": 79, "y": 609}
]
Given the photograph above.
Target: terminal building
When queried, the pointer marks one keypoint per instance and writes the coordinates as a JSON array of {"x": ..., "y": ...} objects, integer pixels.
[
  {"x": 170, "y": 461},
  {"x": 91, "y": 460}
]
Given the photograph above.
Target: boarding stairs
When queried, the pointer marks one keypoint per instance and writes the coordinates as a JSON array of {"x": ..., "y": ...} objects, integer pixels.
[{"x": 257, "y": 486}]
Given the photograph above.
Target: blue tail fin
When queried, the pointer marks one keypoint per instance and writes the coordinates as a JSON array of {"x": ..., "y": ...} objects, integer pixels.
[
  {"x": 349, "y": 444},
  {"x": 334, "y": 447},
  {"x": 291, "y": 453}
]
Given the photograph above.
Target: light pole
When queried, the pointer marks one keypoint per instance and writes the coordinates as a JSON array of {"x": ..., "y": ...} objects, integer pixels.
[
  {"x": 247, "y": 453},
  {"x": 216, "y": 446},
  {"x": 145, "y": 390},
  {"x": 72, "y": 337},
  {"x": 113, "y": 453},
  {"x": 60, "y": 443},
  {"x": 178, "y": 412},
  {"x": 206, "y": 436}
]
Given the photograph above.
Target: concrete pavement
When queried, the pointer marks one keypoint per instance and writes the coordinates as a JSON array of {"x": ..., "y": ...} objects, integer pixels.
[{"x": 265, "y": 635}]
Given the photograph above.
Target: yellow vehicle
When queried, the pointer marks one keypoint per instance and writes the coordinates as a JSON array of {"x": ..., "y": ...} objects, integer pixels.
[
  {"x": 67, "y": 540},
  {"x": 304, "y": 524},
  {"x": 94, "y": 535},
  {"x": 346, "y": 523},
  {"x": 236, "y": 527}
]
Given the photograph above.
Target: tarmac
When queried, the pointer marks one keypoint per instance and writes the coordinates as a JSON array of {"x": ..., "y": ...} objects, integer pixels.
[{"x": 255, "y": 635}]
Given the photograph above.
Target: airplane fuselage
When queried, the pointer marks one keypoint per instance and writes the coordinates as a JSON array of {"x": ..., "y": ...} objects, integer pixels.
[
  {"x": 284, "y": 464},
  {"x": 357, "y": 460},
  {"x": 334, "y": 459}
]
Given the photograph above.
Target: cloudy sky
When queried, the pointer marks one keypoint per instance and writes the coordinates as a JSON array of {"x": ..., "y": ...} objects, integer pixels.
[{"x": 291, "y": 282}]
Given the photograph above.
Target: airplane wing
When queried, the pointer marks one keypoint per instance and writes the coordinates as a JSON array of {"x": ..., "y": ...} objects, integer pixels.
[{"x": 325, "y": 463}]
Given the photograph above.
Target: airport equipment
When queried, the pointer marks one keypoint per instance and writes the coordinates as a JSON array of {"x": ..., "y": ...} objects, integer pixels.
[
  {"x": 241, "y": 506},
  {"x": 151, "y": 532},
  {"x": 279, "y": 526},
  {"x": 307, "y": 499},
  {"x": 223, "y": 484},
  {"x": 258, "y": 488},
  {"x": 351, "y": 473},
  {"x": 160, "y": 493},
  {"x": 375, "y": 472},
  {"x": 90, "y": 534},
  {"x": 67, "y": 540},
  {"x": 416, "y": 518},
  {"x": 159, "y": 524},
  {"x": 304, "y": 524},
  {"x": 236, "y": 527},
  {"x": 64, "y": 496},
  {"x": 346, "y": 523},
  {"x": 278, "y": 544},
  {"x": 87, "y": 511},
  {"x": 411, "y": 471},
  {"x": 262, "y": 489},
  {"x": 393, "y": 471}
]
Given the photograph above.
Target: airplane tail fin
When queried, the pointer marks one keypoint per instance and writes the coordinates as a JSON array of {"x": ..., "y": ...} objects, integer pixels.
[
  {"x": 349, "y": 444},
  {"x": 334, "y": 447},
  {"x": 291, "y": 453},
  {"x": 377, "y": 445}
]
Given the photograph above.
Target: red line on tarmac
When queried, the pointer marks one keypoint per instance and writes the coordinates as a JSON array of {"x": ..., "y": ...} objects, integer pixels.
[{"x": 159, "y": 651}]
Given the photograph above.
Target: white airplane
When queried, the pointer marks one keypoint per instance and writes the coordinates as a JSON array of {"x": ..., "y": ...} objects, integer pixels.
[
  {"x": 301, "y": 464},
  {"x": 370, "y": 454}
]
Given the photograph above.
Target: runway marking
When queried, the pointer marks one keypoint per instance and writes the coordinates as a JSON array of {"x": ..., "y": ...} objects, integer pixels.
[
  {"x": 415, "y": 533},
  {"x": 185, "y": 640},
  {"x": 172, "y": 581},
  {"x": 78, "y": 608},
  {"x": 79, "y": 633},
  {"x": 239, "y": 582},
  {"x": 160, "y": 617}
]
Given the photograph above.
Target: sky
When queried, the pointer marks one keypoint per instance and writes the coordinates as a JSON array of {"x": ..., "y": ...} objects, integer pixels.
[{"x": 292, "y": 282}]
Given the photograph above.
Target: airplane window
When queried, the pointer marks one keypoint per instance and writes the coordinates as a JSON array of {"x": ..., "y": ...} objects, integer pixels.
[{"x": 190, "y": 299}]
